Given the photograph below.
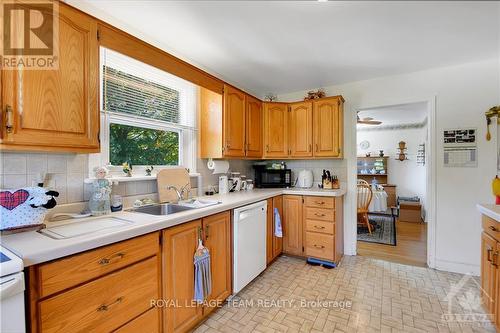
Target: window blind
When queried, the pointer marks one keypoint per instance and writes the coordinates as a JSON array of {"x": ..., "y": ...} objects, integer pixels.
[{"x": 130, "y": 87}]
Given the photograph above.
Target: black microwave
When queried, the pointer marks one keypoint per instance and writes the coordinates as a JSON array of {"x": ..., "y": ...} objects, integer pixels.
[{"x": 265, "y": 178}]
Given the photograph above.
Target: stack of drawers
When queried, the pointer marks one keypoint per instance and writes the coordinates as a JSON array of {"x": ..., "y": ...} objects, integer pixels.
[
  {"x": 319, "y": 227},
  {"x": 101, "y": 290}
]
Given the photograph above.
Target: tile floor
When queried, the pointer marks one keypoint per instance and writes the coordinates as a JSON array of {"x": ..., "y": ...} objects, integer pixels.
[{"x": 378, "y": 296}]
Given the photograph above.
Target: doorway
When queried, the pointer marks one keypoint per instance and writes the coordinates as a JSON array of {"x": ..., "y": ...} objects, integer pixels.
[{"x": 393, "y": 192}]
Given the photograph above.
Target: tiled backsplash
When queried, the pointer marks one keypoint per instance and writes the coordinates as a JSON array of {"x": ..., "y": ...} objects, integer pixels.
[
  {"x": 68, "y": 171},
  {"x": 66, "y": 174},
  {"x": 336, "y": 167}
]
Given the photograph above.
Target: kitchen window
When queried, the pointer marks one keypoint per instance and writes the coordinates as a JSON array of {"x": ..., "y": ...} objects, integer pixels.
[{"x": 147, "y": 115}]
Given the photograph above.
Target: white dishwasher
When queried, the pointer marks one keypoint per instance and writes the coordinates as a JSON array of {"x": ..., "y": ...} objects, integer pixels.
[{"x": 249, "y": 243}]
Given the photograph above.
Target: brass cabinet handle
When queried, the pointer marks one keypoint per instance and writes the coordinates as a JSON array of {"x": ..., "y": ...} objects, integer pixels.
[
  {"x": 199, "y": 233},
  {"x": 488, "y": 254},
  {"x": 310, "y": 147},
  {"x": 492, "y": 228},
  {"x": 318, "y": 214},
  {"x": 206, "y": 232},
  {"x": 319, "y": 202},
  {"x": 267, "y": 148},
  {"x": 9, "y": 119},
  {"x": 105, "y": 307},
  {"x": 105, "y": 261},
  {"x": 317, "y": 148},
  {"x": 319, "y": 246},
  {"x": 319, "y": 227},
  {"x": 494, "y": 259}
]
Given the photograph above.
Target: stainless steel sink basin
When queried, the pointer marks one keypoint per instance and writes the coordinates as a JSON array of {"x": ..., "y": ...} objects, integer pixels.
[{"x": 162, "y": 209}]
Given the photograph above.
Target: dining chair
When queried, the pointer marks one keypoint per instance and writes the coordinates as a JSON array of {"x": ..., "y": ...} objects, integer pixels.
[
  {"x": 362, "y": 182},
  {"x": 365, "y": 195}
]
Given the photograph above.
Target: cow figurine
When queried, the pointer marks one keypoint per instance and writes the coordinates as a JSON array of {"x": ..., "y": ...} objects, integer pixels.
[{"x": 25, "y": 207}]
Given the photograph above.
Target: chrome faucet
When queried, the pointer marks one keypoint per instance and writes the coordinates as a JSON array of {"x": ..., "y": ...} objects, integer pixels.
[{"x": 179, "y": 192}]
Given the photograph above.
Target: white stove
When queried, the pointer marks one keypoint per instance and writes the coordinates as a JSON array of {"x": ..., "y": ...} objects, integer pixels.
[{"x": 11, "y": 293}]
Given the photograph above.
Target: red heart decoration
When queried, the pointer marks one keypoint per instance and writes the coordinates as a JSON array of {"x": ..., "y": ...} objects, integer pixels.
[{"x": 11, "y": 200}]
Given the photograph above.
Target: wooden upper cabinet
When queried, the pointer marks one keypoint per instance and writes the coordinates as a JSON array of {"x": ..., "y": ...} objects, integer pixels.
[
  {"x": 57, "y": 109},
  {"x": 328, "y": 127},
  {"x": 275, "y": 130},
  {"x": 254, "y": 124},
  {"x": 234, "y": 122},
  {"x": 210, "y": 120},
  {"x": 292, "y": 224},
  {"x": 301, "y": 129}
]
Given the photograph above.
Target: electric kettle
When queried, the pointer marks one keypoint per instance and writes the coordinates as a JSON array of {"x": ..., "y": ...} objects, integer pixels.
[{"x": 305, "y": 179}]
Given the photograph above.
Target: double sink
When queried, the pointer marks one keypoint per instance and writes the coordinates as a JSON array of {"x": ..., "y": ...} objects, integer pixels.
[
  {"x": 172, "y": 208},
  {"x": 87, "y": 226}
]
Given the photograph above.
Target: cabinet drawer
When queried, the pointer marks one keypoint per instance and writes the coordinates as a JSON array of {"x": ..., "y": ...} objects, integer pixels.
[
  {"x": 74, "y": 270},
  {"x": 148, "y": 322},
  {"x": 319, "y": 202},
  {"x": 491, "y": 227},
  {"x": 103, "y": 304},
  {"x": 320, "y": 214},
  {"x": 319, "y": 245},
  {"x": 320, "y": 226}
]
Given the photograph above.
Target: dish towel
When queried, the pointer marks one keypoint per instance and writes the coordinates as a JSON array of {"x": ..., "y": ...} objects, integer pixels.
[
  {"x": 278, "y": 232},
  {"x": 202, "y": 274}
]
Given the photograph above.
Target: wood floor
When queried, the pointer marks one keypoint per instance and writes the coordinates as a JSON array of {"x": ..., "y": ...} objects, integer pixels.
[{"x": 411, "y": 248}]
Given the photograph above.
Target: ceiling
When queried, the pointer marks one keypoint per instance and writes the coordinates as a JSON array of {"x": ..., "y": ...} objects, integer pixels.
[
  {"x": 414, "y": 113},
  {"x": 287, "y": 46}
]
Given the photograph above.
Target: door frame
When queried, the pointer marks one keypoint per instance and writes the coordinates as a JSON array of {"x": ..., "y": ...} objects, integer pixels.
[{"x": 431, "y": 171}]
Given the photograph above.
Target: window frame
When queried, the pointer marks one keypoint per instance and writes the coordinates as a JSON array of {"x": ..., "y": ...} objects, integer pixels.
[{"x": 188, "y": 94}]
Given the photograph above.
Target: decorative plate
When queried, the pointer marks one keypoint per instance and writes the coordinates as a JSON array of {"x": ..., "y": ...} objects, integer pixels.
[{"x": 364, "y": 145}]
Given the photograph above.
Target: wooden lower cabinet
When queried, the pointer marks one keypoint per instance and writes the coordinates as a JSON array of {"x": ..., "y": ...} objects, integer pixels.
[
  {"x": 148, "y": 322},
  {"x": 217, "y": 233},
  {"x": 313, "y": 227},
  {"x": 292, "y": 225},
  {"x": 115, "y": 292},
  {"x": 490, "y": 277},
  {"x": 274, "y": 245},
  {"x": 179, "y": 246}
]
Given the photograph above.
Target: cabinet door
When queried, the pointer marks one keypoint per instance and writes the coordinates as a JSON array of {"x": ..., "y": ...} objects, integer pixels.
[
  {"x": 277, "y": 241},
  {"x": 488, "y": 272},
  {"x": 210, "y": 127},
  {"x": 254, "y": 126},
  {"x": 217, "y": 235},
  {"x": 301, "y": 128},
  {"x": 275, "y": 130},
  {"x": 292, "y": 224},
  {"x": 57, "y": 109},
  {"x": 328, "y": 125},
  {"x": 270, "y": 231},
  {"x": 234, "y": 122},
  {"x": 179, "y": 246}
]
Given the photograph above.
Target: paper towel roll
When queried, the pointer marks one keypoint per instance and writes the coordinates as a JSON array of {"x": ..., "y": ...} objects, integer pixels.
[{"x": 218, "y": 166}]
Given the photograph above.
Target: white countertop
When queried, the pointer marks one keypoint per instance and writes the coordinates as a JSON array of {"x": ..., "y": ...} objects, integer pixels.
[
  {"x": 490, "y": 210},
  {"x": 35, "y": 248}
]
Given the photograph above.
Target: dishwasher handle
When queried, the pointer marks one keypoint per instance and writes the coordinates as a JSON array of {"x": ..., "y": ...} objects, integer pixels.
[
  {"x": 12, "y": 285},
  {"x": 250, "y": 212}
]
